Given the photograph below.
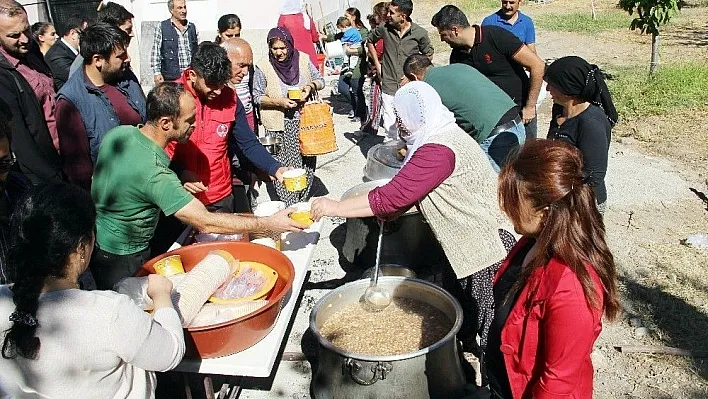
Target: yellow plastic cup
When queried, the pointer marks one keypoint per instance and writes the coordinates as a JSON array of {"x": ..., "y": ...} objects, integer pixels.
[
  {"x": 294, "y": 94},
  {"x": 295, "y": 180},
  {"x": 169, "y": 266},
  {"x": 302, "y": 213}
]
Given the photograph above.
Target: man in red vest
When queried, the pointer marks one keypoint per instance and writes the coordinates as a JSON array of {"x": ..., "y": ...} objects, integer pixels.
[{"x": 203, "y": 162}]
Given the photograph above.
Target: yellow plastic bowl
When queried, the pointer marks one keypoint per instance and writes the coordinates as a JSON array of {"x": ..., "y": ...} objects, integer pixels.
[
  {"x": 169, "y": 266},
  {"x": 270, "y": 275}
]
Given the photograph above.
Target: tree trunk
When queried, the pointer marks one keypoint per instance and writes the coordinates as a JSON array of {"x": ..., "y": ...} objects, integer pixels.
[
  {"x": 654, "y": 65},
  {"x": 592, "y": 8}
]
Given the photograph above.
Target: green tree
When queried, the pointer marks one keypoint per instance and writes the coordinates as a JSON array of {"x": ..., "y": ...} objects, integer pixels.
[{"x": 651, "y": 16}]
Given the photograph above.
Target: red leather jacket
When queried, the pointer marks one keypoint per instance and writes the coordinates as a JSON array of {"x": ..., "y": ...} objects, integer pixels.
[
  {"x": 547, "y": 345},
  {"x": 206, "y": 152}
]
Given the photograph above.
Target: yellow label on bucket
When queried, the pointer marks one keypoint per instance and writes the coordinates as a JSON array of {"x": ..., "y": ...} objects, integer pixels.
[
  {"x": 169, "y": 266},
  {"x": 295, "y": 180}
]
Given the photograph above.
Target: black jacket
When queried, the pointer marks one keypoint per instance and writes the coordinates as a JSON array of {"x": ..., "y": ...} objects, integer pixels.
[
  {"x": 31, "y": 142},
  {"x": 59, "y": 58}
]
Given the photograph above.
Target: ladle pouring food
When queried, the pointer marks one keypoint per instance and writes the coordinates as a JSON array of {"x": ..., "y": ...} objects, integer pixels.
[{"x": 375, "y": 298}]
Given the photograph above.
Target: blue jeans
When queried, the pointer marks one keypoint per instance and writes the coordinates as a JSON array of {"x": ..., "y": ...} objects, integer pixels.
[
  {"x": 498, "y": 147},
  {"x": 353, "y": 91}
]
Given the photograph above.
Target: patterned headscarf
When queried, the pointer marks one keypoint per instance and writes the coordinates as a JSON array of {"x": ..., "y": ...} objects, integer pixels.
[
  {"x": 573, "y": 76},
  {"x": 288, "y": 70},
  {"x": 420, "y": 114}
]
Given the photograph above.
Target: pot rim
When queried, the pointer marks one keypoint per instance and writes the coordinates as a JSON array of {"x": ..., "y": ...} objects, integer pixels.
[{"x": 387, "y": 358}]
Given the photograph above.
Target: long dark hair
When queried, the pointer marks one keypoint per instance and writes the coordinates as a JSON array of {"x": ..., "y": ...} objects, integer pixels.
[
  {"x": 49, "y": 224},
  {"x": 549, "y": 175},
  {"x": 226, "y": 22},
  {"x": 357, "y": 17}
]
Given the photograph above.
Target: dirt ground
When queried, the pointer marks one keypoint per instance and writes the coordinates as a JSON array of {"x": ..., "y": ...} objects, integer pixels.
[
  {"x": 652, "y": 208},
  {"x": 656, "y": 177}
]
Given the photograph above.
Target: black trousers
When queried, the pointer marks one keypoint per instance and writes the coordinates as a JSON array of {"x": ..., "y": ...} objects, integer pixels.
[
  {"x": 107, "y": 268},
  {"x": 225, "y": 205}
]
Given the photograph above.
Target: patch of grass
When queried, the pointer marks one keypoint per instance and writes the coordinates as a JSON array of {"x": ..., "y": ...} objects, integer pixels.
[
  {"x": 582, "y": 22},
  {"x": 472, "y": 6},
  {"x": 675, "y": 86}
]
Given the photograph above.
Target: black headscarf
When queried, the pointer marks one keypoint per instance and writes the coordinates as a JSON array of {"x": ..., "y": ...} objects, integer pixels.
[{"x": 573, "y": 76}]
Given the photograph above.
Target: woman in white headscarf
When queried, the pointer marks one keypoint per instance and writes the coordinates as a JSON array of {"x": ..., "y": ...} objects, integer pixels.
[
  {"x": 301, "y": 26},
  {"x": 448, "y": 177}
]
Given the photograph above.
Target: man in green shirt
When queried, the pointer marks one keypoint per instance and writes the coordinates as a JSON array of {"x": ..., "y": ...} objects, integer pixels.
[
  {"x": 480, "y": 107},
  {"x": 132, "y": 183}
]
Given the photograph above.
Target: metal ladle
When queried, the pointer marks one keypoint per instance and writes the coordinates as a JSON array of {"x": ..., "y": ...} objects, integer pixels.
[{"x": 375, "y": 298}]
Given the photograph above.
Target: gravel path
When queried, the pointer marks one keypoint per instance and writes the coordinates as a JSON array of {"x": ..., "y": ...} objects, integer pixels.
[{"x": 637, "y": 185}]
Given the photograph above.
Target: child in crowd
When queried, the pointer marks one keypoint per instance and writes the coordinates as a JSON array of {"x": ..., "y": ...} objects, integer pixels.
[{"x": 350, "y": 40}]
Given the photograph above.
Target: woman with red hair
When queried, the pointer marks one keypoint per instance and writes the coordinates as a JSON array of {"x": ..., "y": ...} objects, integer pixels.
[{"x": 556, "y": 284}]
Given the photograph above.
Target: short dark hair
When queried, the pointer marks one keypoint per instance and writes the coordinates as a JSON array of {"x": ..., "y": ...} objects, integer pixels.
[
  {"x": 450, "y": 16},
  {"x": 405, "y": 6},
  {"x": 114, "y": 14},
  {"x": 102, "y": 39},
  {"x": 211, "y": 63},
  {"x": 11, "y": 8},
  {"x": 75, "y": 22},
  {"x": 163, "y": 101},
  {"x": 415, "y": 64},
  {"x": 5, "y": 119}
]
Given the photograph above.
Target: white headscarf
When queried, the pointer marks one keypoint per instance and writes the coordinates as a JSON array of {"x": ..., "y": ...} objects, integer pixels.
[
  {"x": 420, "y": 110},
  {"x": 292, "y": 7}
]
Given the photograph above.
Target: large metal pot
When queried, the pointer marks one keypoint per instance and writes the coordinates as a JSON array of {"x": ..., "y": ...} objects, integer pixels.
[
  {"x": 408, "y": 240},
  {"x": 272, "y": 144},
  {"x": 432, "y": 372},
  {"x": 383, "y": 161}
]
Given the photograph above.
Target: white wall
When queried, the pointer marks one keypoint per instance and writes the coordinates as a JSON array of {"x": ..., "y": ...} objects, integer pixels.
[
  {"x": 36, "y": 10},
  {"x": 257, "y": 17}
]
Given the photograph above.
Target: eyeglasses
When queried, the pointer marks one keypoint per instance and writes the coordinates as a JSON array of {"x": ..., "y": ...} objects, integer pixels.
[{"x": 6, "y": 164}]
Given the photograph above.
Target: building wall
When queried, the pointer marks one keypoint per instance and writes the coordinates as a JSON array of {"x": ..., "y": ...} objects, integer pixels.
[
  {"x": 257, "y": 17},
  {"x": 36, "y": 10}
]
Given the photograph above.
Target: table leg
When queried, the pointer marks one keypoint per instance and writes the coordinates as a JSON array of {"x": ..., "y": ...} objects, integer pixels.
[
  {"x": 187, "y": 388},
  {"x": 209, "y": 388}
]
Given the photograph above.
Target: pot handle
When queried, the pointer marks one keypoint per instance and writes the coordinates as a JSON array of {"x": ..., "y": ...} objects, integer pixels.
[{"x": 379, "y": 370}]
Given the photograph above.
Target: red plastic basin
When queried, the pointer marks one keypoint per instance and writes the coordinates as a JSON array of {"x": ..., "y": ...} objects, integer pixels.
[{"x": 227, "y": 338}]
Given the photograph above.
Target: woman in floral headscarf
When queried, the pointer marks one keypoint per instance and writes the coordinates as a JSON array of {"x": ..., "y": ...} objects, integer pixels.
[
  {"x": 452, "y": 182},
  {"x": 286, "y": 68}
]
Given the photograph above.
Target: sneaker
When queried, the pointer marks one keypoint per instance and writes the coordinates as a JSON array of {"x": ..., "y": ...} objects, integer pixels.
[{"x": 350, "y": 115}]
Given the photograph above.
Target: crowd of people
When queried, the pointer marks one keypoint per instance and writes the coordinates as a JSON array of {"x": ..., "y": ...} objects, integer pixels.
[{"x": 95, "y": 175}]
